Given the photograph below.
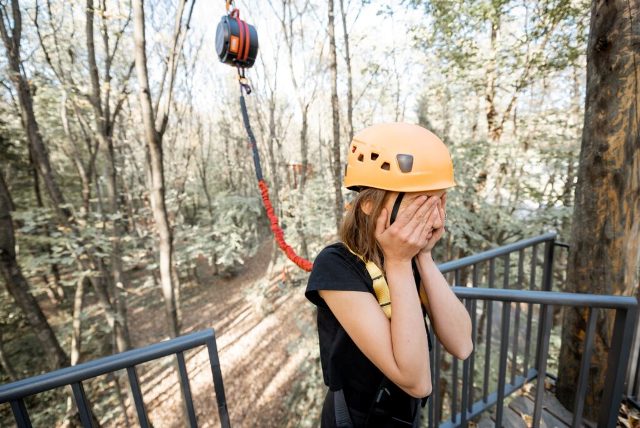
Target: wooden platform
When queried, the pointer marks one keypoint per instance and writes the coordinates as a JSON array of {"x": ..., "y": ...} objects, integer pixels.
[{"x": 518, "y": 413}]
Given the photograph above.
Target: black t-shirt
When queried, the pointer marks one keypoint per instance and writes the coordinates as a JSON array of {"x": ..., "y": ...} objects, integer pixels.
[{"x": 344, "y": 366}]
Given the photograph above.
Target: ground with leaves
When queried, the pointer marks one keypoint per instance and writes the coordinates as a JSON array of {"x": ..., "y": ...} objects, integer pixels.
[
  {"x": 267, "y": 346},
  {"x": 262, "y": 336}
]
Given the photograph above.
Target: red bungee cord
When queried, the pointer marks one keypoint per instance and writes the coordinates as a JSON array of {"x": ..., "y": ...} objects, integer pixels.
[
  {"x": 237, "y": 45},
  {"x": 264, "y": 190}
]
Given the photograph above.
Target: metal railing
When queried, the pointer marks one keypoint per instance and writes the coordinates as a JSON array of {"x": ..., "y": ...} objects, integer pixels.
[
  {"x": 15, "y": 393},
  {"x": 632, "y": 391},
  {"x": 548, "y": 240},
  {"x": 461, "y": 397},
  {"x": 531, "y": 302}
]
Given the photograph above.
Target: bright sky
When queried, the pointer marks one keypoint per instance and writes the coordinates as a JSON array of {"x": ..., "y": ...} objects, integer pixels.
[{"x": 371, "y": 35}]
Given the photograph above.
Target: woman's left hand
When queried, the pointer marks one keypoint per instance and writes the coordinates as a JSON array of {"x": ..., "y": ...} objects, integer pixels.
[{"x": 437, "y": 231}]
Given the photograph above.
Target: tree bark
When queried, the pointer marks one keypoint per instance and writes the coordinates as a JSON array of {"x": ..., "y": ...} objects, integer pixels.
[
  {"x": 335, "y": 115},
  {"x": 11, "y": 39},
  {"x": 347, "y": 59},
  {"x": 5, "y": 363},
  {"x": 54, "y": 287},
  {"x": 18, "y": 286},
  {"x": 154, "y": 126},
  {"x": 605, "y": 237},
  {"x": 104, "y": 126}
]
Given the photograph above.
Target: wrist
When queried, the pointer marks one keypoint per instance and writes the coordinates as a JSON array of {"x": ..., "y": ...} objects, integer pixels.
[
  {"x": 396, "y": 266},
  {"x": 391, "y": 261},
  {"x": 425, "y": 257}
]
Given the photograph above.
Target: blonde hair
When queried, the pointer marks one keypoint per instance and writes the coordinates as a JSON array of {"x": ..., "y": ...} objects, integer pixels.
[{"x": 358, "y": 229}]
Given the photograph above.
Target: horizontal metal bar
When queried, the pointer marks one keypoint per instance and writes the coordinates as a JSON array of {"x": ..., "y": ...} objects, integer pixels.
[
  {"x": 496, "y": 252},
  {"x": 90, "y": 369},
  {"x": 547, "y": 297},
  {"x": 562, "y": 244}
]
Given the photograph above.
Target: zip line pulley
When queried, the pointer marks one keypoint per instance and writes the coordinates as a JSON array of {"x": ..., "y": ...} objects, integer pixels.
[{"x": 237, "y": 46}]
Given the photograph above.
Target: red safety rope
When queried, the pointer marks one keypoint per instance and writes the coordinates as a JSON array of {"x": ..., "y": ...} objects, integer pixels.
[
  {"x": 277, "y": 231},
  {"x": 264, "y": 190}
]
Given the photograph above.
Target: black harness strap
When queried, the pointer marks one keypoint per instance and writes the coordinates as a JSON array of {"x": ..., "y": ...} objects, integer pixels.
[
  {"x": 343, "y": 420},
  {"x": 396, "y": 207}
]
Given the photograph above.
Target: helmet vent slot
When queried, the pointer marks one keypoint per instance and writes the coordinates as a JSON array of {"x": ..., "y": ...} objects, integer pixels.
[
  {"x": 386, "y": 166},
  {"x": 374, "y": 156},
  {"x": 361, "y": 157},
  {"x": 353, "y": 149},
  {"x": 405, "y": 162}
]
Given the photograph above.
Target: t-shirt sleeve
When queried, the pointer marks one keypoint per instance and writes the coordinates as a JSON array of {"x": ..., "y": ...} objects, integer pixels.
[{"x": 333, "y": 271}]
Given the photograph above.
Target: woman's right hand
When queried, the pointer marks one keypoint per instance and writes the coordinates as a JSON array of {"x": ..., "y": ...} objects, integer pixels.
[{"x": 402, "y": 240}]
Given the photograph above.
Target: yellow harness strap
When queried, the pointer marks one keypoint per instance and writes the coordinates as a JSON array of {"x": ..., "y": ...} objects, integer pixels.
[{"x": 380, "y": 286}]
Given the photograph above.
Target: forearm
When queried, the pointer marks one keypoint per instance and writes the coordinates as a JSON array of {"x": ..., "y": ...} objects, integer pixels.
[
  {"x": 408, "y": 334},
  {"x": 448, "y": 315}
]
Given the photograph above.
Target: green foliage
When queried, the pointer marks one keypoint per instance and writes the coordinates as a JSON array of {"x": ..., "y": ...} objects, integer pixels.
[
  {"x": 460, "y": 31},
  {"x": 232, "y": 237},
  {"x": 309, "y": 212},
  {"x": 40, "y": 245}
]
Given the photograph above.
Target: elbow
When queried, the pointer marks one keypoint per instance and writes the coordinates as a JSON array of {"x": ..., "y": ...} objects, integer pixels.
[
  {"x": 464, "y": 352},
  {"x": 422, "y": 390}
]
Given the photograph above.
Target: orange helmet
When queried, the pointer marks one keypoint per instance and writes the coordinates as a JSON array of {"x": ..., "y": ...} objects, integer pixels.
[{"x": 400, "y": 157}]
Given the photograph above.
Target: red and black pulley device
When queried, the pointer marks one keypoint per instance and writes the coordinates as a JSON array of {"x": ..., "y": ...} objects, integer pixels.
[{"x": 236, "y": 41}]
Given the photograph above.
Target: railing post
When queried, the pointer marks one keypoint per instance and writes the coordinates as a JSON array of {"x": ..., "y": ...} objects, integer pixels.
[
  {"x": 633, "y": 373},
  {"x": 547, "y": 281},
  {"x": 186, "y": 390},
  {"x": 81, "y": 403},
  {"x": 20, "y": 414},
  {"x": 218, "y": 386},
  {"x": 502, "y": 370},
  {"x": 134, "y": 384},
  {"x": 585, "y": 363},
  {"x": 547, "y": 276},
  {"x": 541, "y": 361},
  {"x": 616, "y": 365},
  {"x": 436, "y": 404}
]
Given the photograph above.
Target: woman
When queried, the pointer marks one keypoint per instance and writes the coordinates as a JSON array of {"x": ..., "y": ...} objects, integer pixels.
[{"x": 374, "y": 342}]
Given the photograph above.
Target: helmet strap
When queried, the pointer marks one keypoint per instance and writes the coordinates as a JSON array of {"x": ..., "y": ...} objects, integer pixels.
[{"x": 396, "y": 207}]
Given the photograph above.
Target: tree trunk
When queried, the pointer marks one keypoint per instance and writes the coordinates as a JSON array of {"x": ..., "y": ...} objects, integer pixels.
[
  {"x": 304, "y": 145},
  {"x": 21, "y": 85},
  {"x": 4, "y": 360},
  {"x": 156, "y": 171},
  {"x": 347, "y": 58},
  {"x": 274, "y": 188},
  {"x": 490, "y": 84},
  {"x": 76, "y": 323},
  {"x": 104, "y": 127},
  {"x": 37, "y": 146},
  {"x": 605, "y": 236},
  {"x": 18, "y": 287},
  {"x": 335, "y": 110},
  {"x": 54, "y": 288}
]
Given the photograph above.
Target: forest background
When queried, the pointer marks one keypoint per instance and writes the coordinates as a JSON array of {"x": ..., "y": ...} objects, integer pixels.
[{"x": 128, "y": 181}]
